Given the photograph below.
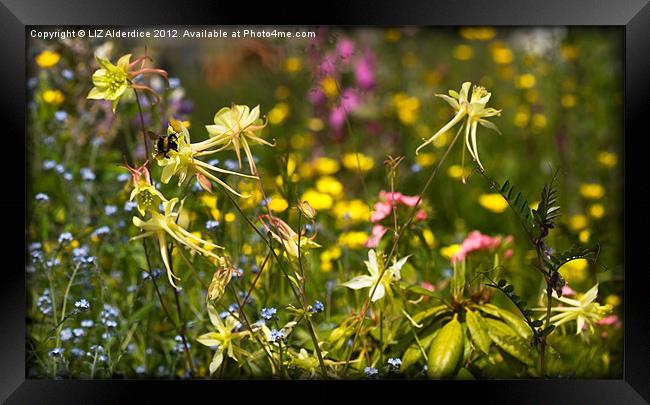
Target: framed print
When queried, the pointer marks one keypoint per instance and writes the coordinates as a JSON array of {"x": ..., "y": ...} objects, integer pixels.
[{"x": 415, "y": 199}]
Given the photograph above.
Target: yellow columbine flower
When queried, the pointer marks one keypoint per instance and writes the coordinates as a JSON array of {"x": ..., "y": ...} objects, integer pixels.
[
  {"x": 111, "y": 81},
  {"x": 146, "y": 195},
  {"x": 222, "y": 338},
  {"x": 474, "y": 109},
  {"x": 583, "y": 310},
  {"x": 161, "y": 225},
  {"x": 375, "y": 268},
  {"x": 184, "y": 162},
  {"x": 47, "y": 59},
  {"x": 236, "y": 127}
]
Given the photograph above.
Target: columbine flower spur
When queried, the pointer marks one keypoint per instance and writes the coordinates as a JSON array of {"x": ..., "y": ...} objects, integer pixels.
[{"x": 474, "y": 109}]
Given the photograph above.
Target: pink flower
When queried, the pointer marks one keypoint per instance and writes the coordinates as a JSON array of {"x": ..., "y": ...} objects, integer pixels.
[
  {"x": 378, "y": 232},
  {"x": 567, "y": 291},
  {"x": 337, "y": 118},
  {"x": 349, "y": 99},
  {"x": 473, "y": 242},
  {"x": 364, "y": 71},
  {"x": 327, "y": 66},
  {"x": 316, "y": 96},
  {"x": 427, "y": 286},
  {"x": 345, "y": 49},
  {"x": 421, "y": 215},
  {"x": 610, "y": 320},
  {"x": 381, "y": 211},
  {"x": 409, "y": 201}
]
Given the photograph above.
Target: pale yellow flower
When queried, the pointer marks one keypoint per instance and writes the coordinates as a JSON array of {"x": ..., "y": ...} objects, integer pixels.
[
  {"x": 474, "y": 109},
  {"x": 390, "y": 275},
  {"x": 221, "y": 339}
]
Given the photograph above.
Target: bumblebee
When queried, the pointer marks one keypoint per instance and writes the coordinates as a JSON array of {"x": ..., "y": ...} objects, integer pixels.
[{"x": 164, "y": 144}]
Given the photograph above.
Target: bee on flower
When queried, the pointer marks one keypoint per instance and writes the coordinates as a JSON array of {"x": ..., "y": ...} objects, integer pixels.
[
  {"x": 182, "y": 160},
  {"x": 112, "y": 81},
  {"x": 474, "y": 110}
]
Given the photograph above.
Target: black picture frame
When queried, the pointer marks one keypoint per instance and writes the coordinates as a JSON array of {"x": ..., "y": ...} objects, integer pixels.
[{"x": 633, "y": 15}]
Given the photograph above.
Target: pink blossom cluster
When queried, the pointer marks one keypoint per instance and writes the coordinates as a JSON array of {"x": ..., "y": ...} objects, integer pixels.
[
  {"x": 476, "y": 241},
  {"x": 331, "y": 64},
  {"x": 384, "y": 208}
]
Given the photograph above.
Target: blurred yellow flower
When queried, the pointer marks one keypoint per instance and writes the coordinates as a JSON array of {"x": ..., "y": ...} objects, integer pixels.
[
  {"x": 229, "y": 217},
  {"x": 47, "y": 59},
  {"x": 292, "y": 64},
  {"x": 325, "y": 165},
  {"x": 425, "y": 159},
  {"x": 463, "y": 52},
  {"x": 209, "y": 200},
  {"x": 568, "y": 100},
  {"x": 592, "y": 191},
  {"x": 501, "y": 54},
  {"x": 584, "y": 235},
  {"x": 525, "y": 81},
  {"x": 429, "y": 238},
  {"x": 329, "y": 185},
  {"x": 607, "y": 159},
  {"x": 277, "y": 203},
  {"x": 278, "y": 113},
  {"x": 357, "y": 162},
  {"x": 575, "y": 271},
  {"x": 315, "y": 124},
  {"x": 54, "y": 97},
  {"x": 478, "y": 33},
  {"x": 408, "y": 108},
  {"x": 597, "y": 211},
  {"x": 329, "y": 86},
  {"x": 577, "y": 222},
  {"x": 449, "y": 251},
  {"x": 351, "y": 212},
  {"x": 331, "y": 253},
  {"x": 613, "y": 300},
  {"x": 493, "y": 202},
  {"x": 522, "y": 116},
  {"x": 539, "y": 120},
  {"x": 569, "y": 52},
  {"x": 353, "y": 240},
  {"x": 319, "y": 201},
  {"x": 392, "y": 35},
  {"x": 458, "y": 172},
  {"x": 281, "y": 92}
]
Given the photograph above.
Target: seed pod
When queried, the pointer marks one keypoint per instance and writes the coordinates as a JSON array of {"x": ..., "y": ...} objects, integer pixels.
[
  {"x": 220, "y": 280},
  {"x": 446, "y": 350}
]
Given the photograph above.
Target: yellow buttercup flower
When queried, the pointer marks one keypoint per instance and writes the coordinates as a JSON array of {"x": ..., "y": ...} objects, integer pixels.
[
  {"x": 478, "y": 33},
  {"x": 329, "y": 86},
  {"x": 325, "y": 165},
  {"x": 353, "y": 240},
  {"x": 278, "y": 204},
  {"x": 463, "y": 52},
  {"x": 319, "y": 201},
  {"x": 292, "y": 64},
  {"x": 329, "y": 185},
  {"x": 54, "y": 97},
  {"x": 592, "y": 191},
  {"x": 474, "y": 109},
  {"x": 577, "y": 222},
  {"x": 279, "y": 113},
  {"x": 47, "y": 59},
  {"x": 525, "y": 81},
  {"x": 597, "y": 211},
  {"x": 493, "y": 202},
  {"x": 607, "y": 159},
  {"x": 351, "y": 212},
  {"x": 408, "y": 108},
  {"x": 357, "y": 162}
]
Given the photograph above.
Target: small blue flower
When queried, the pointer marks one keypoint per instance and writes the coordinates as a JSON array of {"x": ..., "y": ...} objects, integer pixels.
[
  {"x": 61, "y": 116},
  {"x": 59, "y": 169},
  {"x": 56, "y": 352},
  {"x": 110, "y": 210},
  {"x": 81, "y": 199},
  {"x": 231, "y": 164},
  {"x": 123, "y": 177},
  {"x": 213, "y": 162},
  {"x": 268, "y": 313},
  {"x": 66, "y": 334},
  {"x": 130, "y": 205},
  {"x": 174, "y": 82},
  {"x": 67, "y": 176},
  {"x": 78, "y": 332},
  {"x": 65, "y": 238},
  {"x": 42, "y": 197},
  {"x": 67, "y": 74},
  {"x": 394, "y": 363},
  {"x": 49, "y": 165},
  {"x": 210, "y": 225},
  {"x": 77, "y": 352},
  {"x": 277, "y": 335},
  {"x": 140, "y": 369},
  {"x": 87, "y": 323},
  {"x": 87, "y": 174},
  {"x": 82, "y": 304},
  {"x": 371, "y": 372},
  {"x": 317, "y": 307},
  {"x": 101, "y": 231},
  {"x": 156, "y": 273},
  {"x": 416, "y": 168}
]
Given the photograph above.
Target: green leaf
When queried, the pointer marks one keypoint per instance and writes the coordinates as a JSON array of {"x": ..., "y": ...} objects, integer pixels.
[
  {"x": 516, "y": 322},
  {"x": 477, "y": 331},
  {"x": 508, "y": 340},
  {"x": 446, "y": 350},
  {"x": 464, "y": 374},
  {"x": 421, "y": 290},
  {"x": 413, "y": 354},
  {"x": 140, "y": 313},
  {"x": 429, "y": 312}
]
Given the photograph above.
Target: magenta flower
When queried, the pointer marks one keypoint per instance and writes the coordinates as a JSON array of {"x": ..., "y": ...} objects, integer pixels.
[
  {"x": 364, "y": 71},
  {"x": 316, "y": 96},
  {"x": 337, "y": 118},
  {"x": 345, "y": 49}
]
